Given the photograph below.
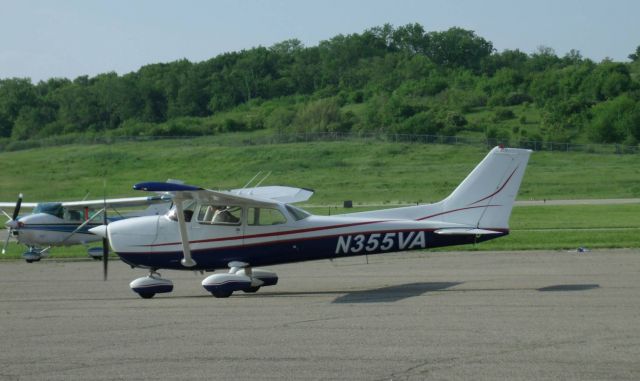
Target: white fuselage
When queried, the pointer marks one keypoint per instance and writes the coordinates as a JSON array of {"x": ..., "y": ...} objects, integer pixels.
[{"x": 42, "y": 229}]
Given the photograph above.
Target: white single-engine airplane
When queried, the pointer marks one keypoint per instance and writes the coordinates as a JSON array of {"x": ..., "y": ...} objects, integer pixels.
[
  {"x": 209, "y": 230},
  {"x": 68, "y": 223}
]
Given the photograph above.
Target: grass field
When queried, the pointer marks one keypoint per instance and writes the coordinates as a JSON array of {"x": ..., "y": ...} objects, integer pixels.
[
  {"x": 365, "y": 172},
  {"x": 360, "y": 171}
]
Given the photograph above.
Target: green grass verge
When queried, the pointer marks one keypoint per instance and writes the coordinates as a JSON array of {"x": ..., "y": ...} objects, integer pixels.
[{"x": 360, "y": 171}]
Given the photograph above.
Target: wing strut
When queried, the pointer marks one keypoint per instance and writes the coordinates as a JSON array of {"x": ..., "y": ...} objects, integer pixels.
[{"x": 187, "y": 261}]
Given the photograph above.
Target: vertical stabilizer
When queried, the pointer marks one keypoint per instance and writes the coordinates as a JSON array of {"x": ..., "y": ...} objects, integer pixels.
[{"x": 485, "y": 198}]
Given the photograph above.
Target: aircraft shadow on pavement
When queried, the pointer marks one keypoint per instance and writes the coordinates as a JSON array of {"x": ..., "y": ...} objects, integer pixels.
[
  {"x": 570, "y": 287},
  {"x": 393, "y": 293}
]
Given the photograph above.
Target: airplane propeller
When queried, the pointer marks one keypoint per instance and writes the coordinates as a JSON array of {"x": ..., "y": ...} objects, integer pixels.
[
  {"x": 105, "y": 239},
  {"x": 12, "y": 223},
  {"x": 105, "y": 248}
]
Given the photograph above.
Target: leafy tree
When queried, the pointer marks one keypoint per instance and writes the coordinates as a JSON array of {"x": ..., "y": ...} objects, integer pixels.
[
  {"x": 401, "y": 79},
  {"x": 30, "y": 122},
  {"x": 410, "y": 38},
  {"x": 513, "y": 59},
  {"x": 635, "y": 56},
  {"x": 323, "y": 115},
  {"x": 458, "y": 47},
  {"x": 543, "y": 58},
  {"x": 15, "y": 94},
  {"x": 615, "y": 120}
]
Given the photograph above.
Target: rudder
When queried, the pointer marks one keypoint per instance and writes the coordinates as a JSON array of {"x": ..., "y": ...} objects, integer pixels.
[{"x": 485, "y": 197}]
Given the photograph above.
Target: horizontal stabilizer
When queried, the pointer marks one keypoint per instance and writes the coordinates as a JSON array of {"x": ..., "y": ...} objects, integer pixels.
[{"x": 464, "y": 231}]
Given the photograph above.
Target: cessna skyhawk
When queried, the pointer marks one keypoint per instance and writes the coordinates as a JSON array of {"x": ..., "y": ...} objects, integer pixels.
[
  {"x": 208, "y": 230},
  {"x": 68, "y": 223}
]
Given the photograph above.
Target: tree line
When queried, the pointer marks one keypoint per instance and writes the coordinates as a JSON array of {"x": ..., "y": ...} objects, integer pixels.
[{"x": 393, "y": 79}]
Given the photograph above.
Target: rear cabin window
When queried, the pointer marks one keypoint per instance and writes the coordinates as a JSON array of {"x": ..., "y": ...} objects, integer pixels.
[
  {"x": 219, "y": 214},
  {"x": 265, "y": 217},
  {"x": 297, "y": 213},
  {"x": 72, "y": 215}
]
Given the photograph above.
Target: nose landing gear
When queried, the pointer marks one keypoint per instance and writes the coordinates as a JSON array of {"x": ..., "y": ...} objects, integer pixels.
[
  {"x": 147, "y": 287},
  {"x": 34, "y": 254}
]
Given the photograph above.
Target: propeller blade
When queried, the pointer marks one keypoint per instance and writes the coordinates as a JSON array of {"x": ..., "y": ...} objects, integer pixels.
[
  {"x": 6, "y": 214},
  {"x": 6, "y": 243},
  {"x": 105, "y": 240},
  {"x": 105, "y": 257},
  {"x": 16, "y": 211},
  {"x": 12, "y": 223}
]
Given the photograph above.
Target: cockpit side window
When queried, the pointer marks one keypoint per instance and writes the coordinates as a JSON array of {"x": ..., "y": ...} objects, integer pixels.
[
  {"x": 265, "y": 216},
  {"x": 219, "y": 214}
]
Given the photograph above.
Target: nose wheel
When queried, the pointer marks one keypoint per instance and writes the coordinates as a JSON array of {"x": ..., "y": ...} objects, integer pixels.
[
  {"x": 34, "y": 254},
  {"x": 147, "y": 287}
]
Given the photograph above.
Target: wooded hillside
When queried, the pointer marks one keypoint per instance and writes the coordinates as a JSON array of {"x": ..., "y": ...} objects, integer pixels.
[{"x": 393, "y": 79}]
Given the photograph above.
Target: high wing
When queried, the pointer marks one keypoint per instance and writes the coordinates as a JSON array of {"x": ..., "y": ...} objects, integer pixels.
[
  {"x": 259, "y": 196},
  {"x": 116, "y": 202},
  {"x": 94, "y": 204},
  {"x": 284, "y": 194},
  {"x": 27, "y": 205}
]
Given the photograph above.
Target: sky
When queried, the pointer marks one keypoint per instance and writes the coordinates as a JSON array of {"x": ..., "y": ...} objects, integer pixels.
[{"x": 68, "y": 38}]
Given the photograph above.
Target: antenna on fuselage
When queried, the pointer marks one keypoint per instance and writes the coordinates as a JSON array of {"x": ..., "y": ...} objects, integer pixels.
[
  {"x": 250, "y": 181},
  {"x": 263, "y": 179}
]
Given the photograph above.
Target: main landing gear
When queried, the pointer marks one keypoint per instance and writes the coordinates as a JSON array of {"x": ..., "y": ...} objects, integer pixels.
[
  {"x": 34, "y": 254},
  {"x": 241, "y": 277}
]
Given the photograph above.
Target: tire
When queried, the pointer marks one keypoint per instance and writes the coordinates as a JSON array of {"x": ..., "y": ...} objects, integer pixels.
[
  {"x": 251, "y": 290},
  {"x": 221, "y": 294},
  {"x": 146, "y": 295}
]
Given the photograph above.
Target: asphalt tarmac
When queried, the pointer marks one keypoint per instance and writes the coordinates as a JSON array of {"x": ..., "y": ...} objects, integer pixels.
[{"x": 405, "y": 316}]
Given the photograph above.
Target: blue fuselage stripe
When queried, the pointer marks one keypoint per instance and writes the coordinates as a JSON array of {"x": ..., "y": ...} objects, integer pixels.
[{"x": 307, "y": 249}]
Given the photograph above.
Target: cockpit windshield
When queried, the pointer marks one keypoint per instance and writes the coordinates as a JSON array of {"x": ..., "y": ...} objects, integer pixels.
[
  {"x": 52, "y": 208},
  {"x": 188, "y": 211},
  {"x": 297, "y": 213}
]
